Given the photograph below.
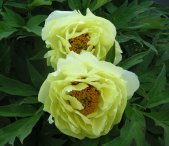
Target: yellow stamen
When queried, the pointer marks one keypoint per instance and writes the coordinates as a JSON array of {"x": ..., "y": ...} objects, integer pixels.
[
  {"x": 89, "y": 97},
  {"x": 79, "y": 43}
]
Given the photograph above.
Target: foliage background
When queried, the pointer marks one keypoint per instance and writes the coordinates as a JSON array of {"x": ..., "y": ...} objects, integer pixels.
[{"x": 143, "y": 33}]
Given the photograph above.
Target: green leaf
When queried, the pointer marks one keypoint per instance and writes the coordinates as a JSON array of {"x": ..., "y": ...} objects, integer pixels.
[
  {"x": 85, "y": 4},
  {"x": 35, "y": 20},
  {"x": 36, "y": 77},
  {"x": 36, "y": 30},
  {"x": 132, "y": 130},
  {"x": 39, "y": 55},
  {"x": 36, "y": 3},
  {"x": 127, "y": 12},
  {"x": 166, "y": 134},
  {"x": 161, "y": 118},
  {"x": 146, "y": 63},
  {"x": 158, "y": 99},
  {"x": 15, "y": 4},
  {"x": 149, "y": 46},
  {"x": 127, "y": 37},
  {"x": 14, "y": 87},
  {"x": 16, "y": 110},
  {"x": 5, "y": 34},
  {"x": 153, "y": 22},
  {"x": 1, "y": 2},
  {"x": 136, "y": 37},
  {"x": 97, "y": 4},
  {"x": 6, "y": 30},
  {"x": 28, "y": 100},
  {"x": 59, "y": 0},
  {"x": 74, "y": 4},
  {"x": 12, "y": 19},
  {"x": 133, "y": 60},
  {"x": 33, "y": 24},
  {"x": 159, "y": 83},
  {"x": 21, "y": 129},
  {"x": 164, "y": 56},
  {"x": 111, "y": 54},
  {"x": 111, "y": 8}
]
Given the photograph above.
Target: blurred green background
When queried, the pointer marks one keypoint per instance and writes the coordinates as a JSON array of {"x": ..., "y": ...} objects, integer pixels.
[{"x": 143, "y": 33}]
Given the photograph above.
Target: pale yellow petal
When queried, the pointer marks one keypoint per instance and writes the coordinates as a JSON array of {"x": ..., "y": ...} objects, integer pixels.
[{"x": 132, "y": 82}]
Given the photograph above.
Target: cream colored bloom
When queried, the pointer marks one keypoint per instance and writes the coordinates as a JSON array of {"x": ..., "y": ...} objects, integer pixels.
[
  {"x": 86, "y": 97},
  {"x": 66, "y": 31}
]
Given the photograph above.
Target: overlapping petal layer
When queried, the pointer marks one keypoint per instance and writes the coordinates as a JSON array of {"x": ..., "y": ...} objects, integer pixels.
[
  {"x": 66, "y": 31},
  {"x": 86, "y": 97}
]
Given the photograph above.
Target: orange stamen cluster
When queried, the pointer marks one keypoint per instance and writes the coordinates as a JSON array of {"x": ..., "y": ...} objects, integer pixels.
[
  {"x": 79, "y": 43},
  {"x": 89, "y": 97}
]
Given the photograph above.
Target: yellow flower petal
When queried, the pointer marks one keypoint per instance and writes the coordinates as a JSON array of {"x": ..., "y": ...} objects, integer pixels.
[
  {"x": 86, "y": 97},
  {"x": 66, "y": 31}
]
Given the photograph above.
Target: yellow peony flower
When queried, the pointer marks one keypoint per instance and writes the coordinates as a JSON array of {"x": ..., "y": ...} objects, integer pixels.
[
  {"x": 86, "y": 97},
  {"x": 66, "y": 31}
]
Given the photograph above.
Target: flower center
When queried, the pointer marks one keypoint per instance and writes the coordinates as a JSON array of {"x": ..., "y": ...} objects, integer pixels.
[
  {"x": 89, "y": 97},
  {"x": 79, "y": 43}
]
